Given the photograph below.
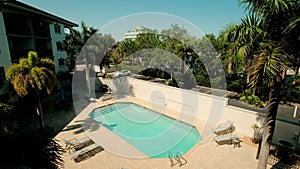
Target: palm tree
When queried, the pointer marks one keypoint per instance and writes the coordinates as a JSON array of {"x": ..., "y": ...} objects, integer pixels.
[
  {"x": 33, "y": 75},
  {"x": 268, "y": 68},
  {"x": 258, "y": 43},
  {"x": 293, "y": 34}
]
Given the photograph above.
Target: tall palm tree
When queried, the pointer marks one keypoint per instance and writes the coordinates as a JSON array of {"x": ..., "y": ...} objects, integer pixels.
[
  {"x": 268, "y": 68},
  {"x": 260, "y": 45},
  {"x": 33, "y": 75},
  {"x": 243, "y": 39},
  {"x": 293, "y": 35}
]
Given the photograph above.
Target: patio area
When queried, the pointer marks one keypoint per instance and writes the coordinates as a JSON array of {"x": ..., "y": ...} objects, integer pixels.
[{"x": 205, "y": 155}]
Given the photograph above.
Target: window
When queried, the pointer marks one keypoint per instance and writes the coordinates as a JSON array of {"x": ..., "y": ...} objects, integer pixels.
[
  {"x": 2, "y": 73},
  {"x": 57, "y": 29},
  {"x": 61, "y": 62},
  {"x": 59, "y": 46}
]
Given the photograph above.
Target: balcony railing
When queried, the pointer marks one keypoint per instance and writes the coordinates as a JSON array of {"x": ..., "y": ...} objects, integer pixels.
[{"x": 17, "y": 54}]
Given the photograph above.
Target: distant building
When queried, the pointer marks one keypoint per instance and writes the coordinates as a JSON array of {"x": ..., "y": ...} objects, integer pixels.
[
  {"x": 24, "y": 28},
  {"x": 132, "y": 33}
]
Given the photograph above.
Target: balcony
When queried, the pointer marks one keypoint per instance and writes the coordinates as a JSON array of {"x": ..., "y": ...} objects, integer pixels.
[
  {"x": 16, "y": 31},
  {"x": 17, "y": 54},
  {"x": 41, "y": 29}
]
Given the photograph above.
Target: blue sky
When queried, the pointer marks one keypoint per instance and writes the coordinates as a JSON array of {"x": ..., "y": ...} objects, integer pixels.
[{"x": 209, "y": 16}]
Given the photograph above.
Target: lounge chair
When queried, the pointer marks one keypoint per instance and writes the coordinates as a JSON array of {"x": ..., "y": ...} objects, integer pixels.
[
  {"x": 224, "y": 128},
  {"x": 84, "y": 152},
  {"x": 75, "y": 143},
  {"x": 228, "y": 139},
  {"x": 105, "y": 97}
]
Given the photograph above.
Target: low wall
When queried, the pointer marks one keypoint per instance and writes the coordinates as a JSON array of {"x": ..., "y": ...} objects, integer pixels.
[
  {"x": 212, "y": 109},
  {"x": 243, "y": 119}
]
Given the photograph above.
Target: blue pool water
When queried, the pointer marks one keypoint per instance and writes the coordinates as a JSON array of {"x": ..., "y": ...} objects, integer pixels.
[{"x": 152, "y": 133}]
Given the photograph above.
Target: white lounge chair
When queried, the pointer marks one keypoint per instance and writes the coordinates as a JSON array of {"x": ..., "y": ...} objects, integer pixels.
[
  {"x": 75, "y": 143},
  {"x": 228, "y": 139},
  {"x": 105, "y": 97},
  {"x": 83, "y": 152},
  {"x": 224, "y": 128}
]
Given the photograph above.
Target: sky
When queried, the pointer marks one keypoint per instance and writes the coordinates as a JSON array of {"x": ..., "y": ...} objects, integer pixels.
[{"x": 111, "y": 16}]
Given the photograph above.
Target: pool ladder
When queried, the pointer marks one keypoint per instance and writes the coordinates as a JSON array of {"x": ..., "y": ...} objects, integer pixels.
[{"x": 179, "y": 159}]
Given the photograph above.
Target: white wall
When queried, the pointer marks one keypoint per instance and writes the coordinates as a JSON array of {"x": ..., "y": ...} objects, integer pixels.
[
  {"x": 209, "y": 108},
  {"x": 56, "y": 37},
  {"x": 4, "y": 48},
  {"x": 243, "y": 119}
]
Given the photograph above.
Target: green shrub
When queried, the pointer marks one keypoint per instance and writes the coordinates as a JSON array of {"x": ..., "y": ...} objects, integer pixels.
[
  {"x": 291, "y": 89},
  {"x": 171, "y": 82},
  {"x": 249, "y": 98},
  {"x": 202, "y": 80},
  {"x": 237, "y": 85},
  {"x": 108, "y": 76}
]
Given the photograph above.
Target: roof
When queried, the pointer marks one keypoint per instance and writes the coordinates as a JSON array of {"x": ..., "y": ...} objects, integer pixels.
[
  {"x": 24, "y": 8},
  {"x": 140, "y": 29}
]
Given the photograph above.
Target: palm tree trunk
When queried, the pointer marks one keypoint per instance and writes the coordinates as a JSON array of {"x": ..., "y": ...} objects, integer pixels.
[
  {"x": 39, "y": 110},
  {"x": 88, "y": 79},
  {"x": 269, "y": 124}
]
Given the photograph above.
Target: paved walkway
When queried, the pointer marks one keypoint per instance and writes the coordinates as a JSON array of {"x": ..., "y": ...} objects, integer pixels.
[{"x": 206, "y": 155}]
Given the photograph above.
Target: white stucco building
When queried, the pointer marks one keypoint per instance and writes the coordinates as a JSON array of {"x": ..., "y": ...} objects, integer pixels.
[
  {"x": 132, "y": 33},
  {"x": 24, "y": 28}
]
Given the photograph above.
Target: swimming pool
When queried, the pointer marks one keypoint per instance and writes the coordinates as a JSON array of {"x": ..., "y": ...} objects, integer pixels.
[{"x": 152, "y": 133}]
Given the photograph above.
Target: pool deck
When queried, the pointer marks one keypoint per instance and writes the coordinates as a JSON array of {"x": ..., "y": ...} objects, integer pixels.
[{"x": 118, "y": 154}]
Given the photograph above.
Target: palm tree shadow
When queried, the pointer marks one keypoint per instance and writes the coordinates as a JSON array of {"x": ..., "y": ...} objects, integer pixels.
[
  {"x": 72, "y": 127},
  {"x": 87, "y": 124}
]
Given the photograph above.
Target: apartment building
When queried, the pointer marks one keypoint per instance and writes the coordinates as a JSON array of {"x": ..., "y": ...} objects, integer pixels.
[{"x": 24, "y": 28}]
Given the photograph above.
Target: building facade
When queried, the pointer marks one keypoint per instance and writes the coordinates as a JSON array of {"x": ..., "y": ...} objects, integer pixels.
[
  {"x": 24, "y": 28},
  {"x": 132, "y": 33}
]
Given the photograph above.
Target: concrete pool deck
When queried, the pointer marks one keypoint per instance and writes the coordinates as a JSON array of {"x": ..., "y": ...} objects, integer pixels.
[{"x": 206, "y": 155}]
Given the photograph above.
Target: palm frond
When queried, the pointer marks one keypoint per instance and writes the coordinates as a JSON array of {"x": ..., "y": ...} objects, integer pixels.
[
  {"x": 16, "y": 69},
  {"x": 269, "y": 64},
  {"x": 21, "y": 85},
  {"x": 32, "y": 58},
  {"x": 24, "y": 61},
  {"x": 268, "y": 8},
  {"x": 39, "y": 78},
  {"x": 50, "y": 81},
  {"x": 47, "y": 63},
  {"x": 293, "y": 27}
]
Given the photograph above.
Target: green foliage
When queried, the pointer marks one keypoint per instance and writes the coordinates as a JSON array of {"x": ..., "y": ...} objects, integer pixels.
[
  {"x": 31, "y": 77},
  {"x": 171, "y": 82},
  {"x": 238, "y": 85},
  {"x": 90, "y": 44},
  {"x": 249, "y": 98},
  {"x": 202, "y": 80},
  {"x": 7, "y": 120},
  {"x": 291, "y": 89},
  {"x": 36, "y": 150},
  {"x": 32, "y": 58},
  {"x": 174, "y": 53},
  {"x": 255, "y": 126},
  {"x": 108, "y": 76},
  {"x": 265, "y": 48},
  {"x": 32, "y": 73}
]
